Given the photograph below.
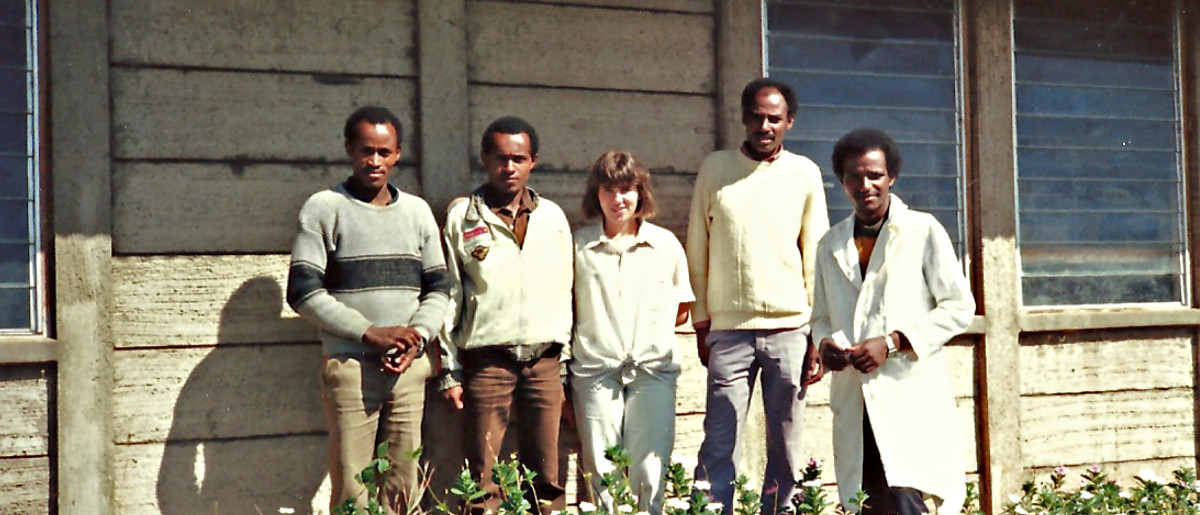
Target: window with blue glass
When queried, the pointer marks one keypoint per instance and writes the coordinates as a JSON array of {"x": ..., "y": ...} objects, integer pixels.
[
  {"x": 20, "y": 270},
  {"x": 1099, "y": 152},
  {"x": 889, "y": 64}
]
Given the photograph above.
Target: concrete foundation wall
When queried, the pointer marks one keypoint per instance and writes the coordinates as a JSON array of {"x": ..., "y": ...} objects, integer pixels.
[
  {"x": 1122, "y": 399},
  {"x": 25, "y": 441}
]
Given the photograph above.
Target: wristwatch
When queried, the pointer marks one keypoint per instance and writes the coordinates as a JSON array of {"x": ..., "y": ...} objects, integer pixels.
[{"x": 891, "y": 344}]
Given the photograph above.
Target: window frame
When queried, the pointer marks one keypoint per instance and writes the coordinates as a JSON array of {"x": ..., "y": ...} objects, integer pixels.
[
  {"x": 966, "y": 236},
  {"x": 15, "y": 343},
  {"x": 1187, "y": 281}
]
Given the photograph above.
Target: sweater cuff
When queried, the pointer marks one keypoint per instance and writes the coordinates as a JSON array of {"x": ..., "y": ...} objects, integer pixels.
[{"x": 449, "y": 380}]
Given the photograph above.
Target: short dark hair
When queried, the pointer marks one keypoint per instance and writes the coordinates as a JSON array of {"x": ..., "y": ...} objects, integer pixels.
[
  {"x": 617, "y": 167},
  {"x": 860, "y": 141},
  {"x": 373, "y": 115},
  {"x": 508, "y": 125},
  {"x": 750, "y": 94}
]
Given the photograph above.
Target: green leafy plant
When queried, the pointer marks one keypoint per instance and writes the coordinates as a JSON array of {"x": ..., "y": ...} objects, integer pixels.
[
  {"x": 372, "y": 478},
  {"x": 812, "y": 499},
  {"x": 1098, "y": 494}
]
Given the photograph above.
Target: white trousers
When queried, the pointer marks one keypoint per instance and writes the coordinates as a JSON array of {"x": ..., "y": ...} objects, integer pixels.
[{"x": 640, "y": 417}]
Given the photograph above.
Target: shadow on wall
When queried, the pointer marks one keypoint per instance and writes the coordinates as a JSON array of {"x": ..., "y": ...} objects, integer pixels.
[{"x": 247, "y": 434}]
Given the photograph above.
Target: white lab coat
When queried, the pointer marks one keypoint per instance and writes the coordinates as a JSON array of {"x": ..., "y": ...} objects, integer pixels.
[{"x": 914, "y": 285}]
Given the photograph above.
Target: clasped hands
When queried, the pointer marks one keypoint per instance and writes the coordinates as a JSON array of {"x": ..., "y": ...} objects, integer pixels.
[
  {"x": 866, "y": 356},
  {"x": 406, "y": 341}
]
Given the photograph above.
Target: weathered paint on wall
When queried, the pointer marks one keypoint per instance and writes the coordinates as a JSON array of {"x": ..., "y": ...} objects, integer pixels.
[
  {"x": 1107, "y": 397},
  {"x": 225, "y": 116},
  {"x": 25, "y": 438}
]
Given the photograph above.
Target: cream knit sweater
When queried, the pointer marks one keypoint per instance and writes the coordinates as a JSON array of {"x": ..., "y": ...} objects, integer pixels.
[{"x": 752, "y": 240}]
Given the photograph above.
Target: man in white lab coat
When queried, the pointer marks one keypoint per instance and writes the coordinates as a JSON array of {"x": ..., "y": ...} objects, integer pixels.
[{"x": 889, "y": 294}]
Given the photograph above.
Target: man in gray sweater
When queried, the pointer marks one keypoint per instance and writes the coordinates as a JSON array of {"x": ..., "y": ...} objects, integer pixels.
[{"x": 368, "y": 270}]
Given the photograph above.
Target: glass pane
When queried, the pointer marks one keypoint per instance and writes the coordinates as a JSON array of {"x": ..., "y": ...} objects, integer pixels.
[
  {"x": 14, "y": 178},
  {"x": 15, "y": 228},
  {"x": 14, "y": 308},
  {"x": 13, "y": 91},
  {"x": 14, "y": 134},
  {"x": 12, "y": 48},
  {"x": 892, "y": 65},
  {"x": 14, "y": 263},
  {"x": 1098, "y": 153},
  {"x": 12, "y": 12}
]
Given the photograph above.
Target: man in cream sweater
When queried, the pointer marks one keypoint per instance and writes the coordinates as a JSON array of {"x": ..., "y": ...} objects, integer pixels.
[{"x": 757, "y": 214}]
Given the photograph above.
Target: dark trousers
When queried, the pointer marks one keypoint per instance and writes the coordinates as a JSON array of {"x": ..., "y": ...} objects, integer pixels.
[
  {"x": 495, "y": 385},
  {"x": 882, "y": 499}
]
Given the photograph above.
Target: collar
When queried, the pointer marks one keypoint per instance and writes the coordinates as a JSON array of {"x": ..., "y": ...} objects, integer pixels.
[
  {"x": 479, "y": 203},
  {"x": 598, "y": 238},
  {"x": 755, "y": 156},
  {"x": 353, "y": 192},
  {"x": 870, "y": 231},
  {"x": 528, "y": 201},
  {"x": 841, "y": 238}
]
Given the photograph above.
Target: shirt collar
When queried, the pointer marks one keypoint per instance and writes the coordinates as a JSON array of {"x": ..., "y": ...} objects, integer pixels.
[
  {"x": 529, "y": 199},
  {"x": 602, "y": 239},
  {"x": 754, "y": 156},
  {"x": 346, "y": 185}
]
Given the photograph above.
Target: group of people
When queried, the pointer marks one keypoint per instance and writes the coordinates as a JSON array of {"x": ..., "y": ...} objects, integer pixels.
[{"x": 514, "y": 316}]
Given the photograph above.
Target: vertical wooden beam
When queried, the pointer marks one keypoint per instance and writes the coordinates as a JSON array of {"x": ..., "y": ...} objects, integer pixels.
[
  {"x": 81, "y": 180},
  {"x": 445, "y": 172},
  {"x": 444, "y": 131},
  {"x": 740, "y": 60},
  {"x": 1189, "y": 30},
  {"x": 990, "y": 78}
]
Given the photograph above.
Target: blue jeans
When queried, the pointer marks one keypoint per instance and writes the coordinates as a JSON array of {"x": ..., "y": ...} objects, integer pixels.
[{"x": 735, "y": 361}]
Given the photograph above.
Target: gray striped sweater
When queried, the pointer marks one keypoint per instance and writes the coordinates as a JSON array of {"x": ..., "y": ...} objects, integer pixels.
[{"x": 355, "y": 264}]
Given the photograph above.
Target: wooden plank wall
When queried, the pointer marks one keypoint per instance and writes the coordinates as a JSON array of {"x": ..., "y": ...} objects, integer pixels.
[
  {"x": 226, "y": 116},
  {"x": 25, "y": 440},
  {"x": 593, "y": 76},
  {"x": 1122, "y": 399}
]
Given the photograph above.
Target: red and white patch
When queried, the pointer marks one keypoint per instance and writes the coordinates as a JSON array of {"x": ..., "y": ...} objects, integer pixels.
[{"x": 475, "y": 233}]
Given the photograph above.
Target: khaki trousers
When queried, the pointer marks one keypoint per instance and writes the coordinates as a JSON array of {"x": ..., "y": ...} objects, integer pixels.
[{"x": 364, "y": 405}]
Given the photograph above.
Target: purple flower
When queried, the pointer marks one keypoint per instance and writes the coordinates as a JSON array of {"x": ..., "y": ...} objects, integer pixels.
[
  {"x": 1060, "y": 471},
  {"x": 1095, "y": 469}
]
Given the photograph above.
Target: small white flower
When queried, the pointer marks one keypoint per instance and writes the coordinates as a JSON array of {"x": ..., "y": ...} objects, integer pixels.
[
  {"x": 701, "y": 484},
  {"x": 1020, "y": 510},
  {"x": 642, "y": 513},
  {"x": 713, "y": 506},
  {"x": 815, "y": 483},
  {"x": 586, "y": 506},
  {"x": 625, "y": 508},
  {"x": 677, "y": 504},
  {"x": 1124, "y": 495},
  {"x": 1086, "y": 495},
  {"x": 1014, "y": 498},
  {"x": 1196, "y": 486},
  {"x": 287, "y": 510}
]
